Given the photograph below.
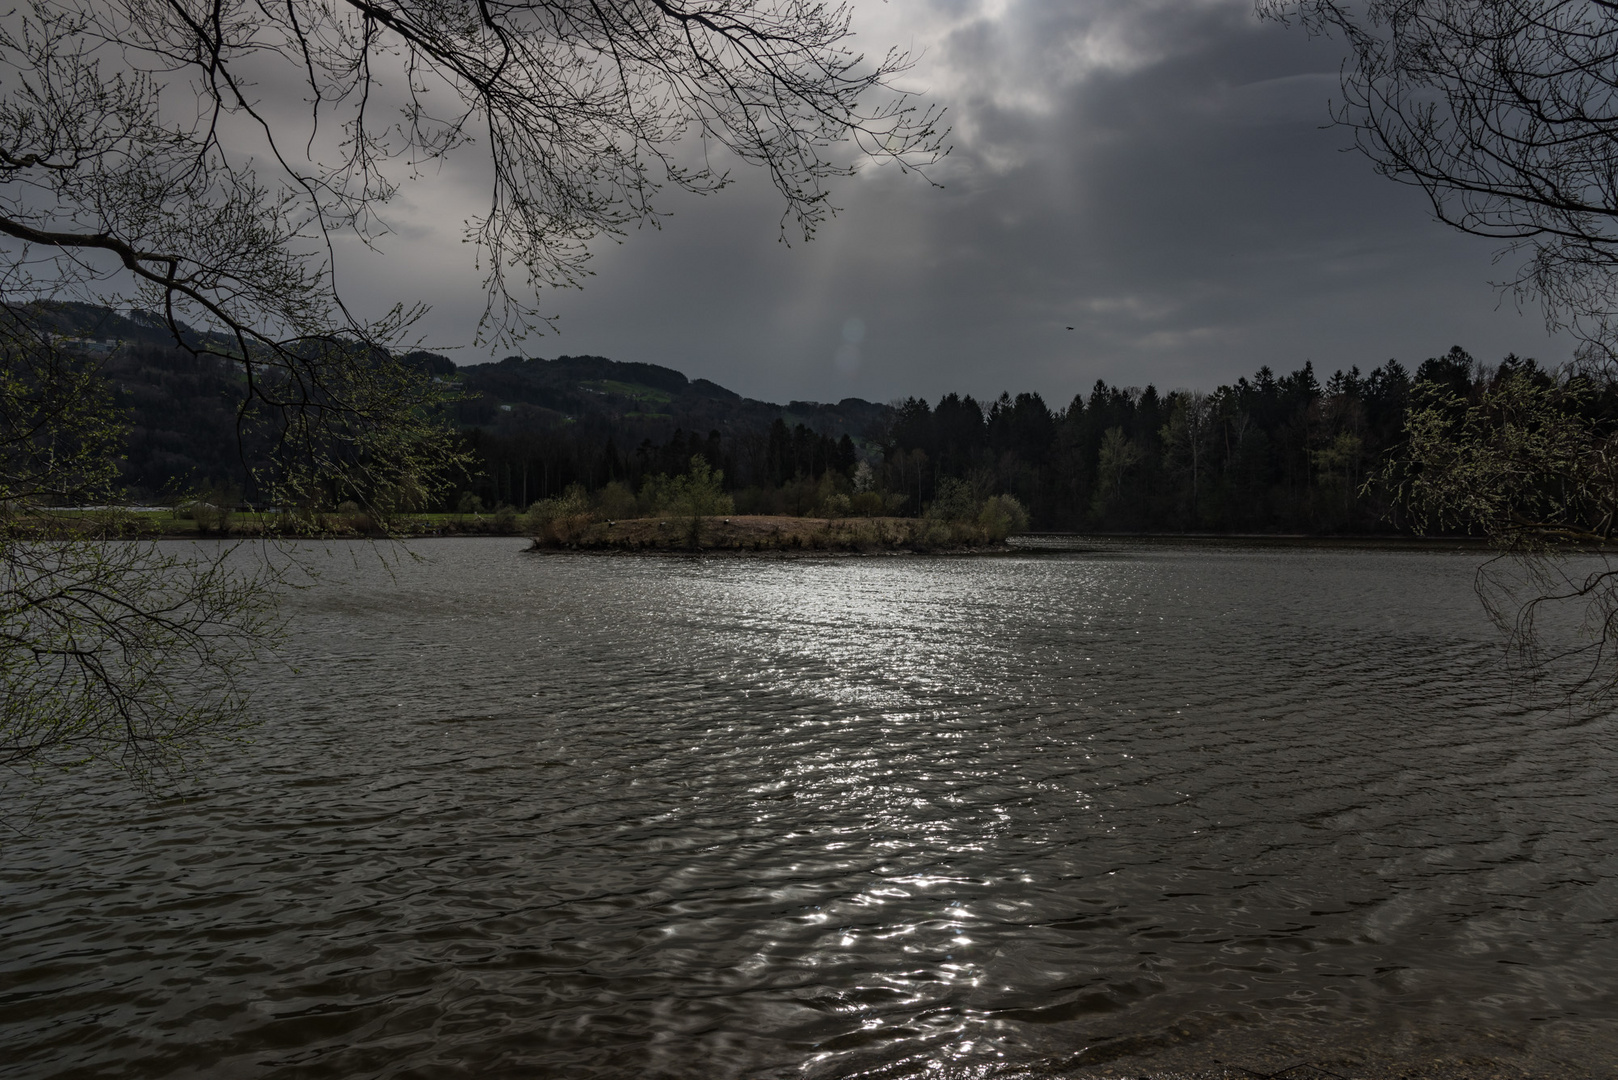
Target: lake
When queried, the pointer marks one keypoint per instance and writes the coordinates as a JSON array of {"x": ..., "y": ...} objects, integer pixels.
[{"x": 1137, "y": 811}]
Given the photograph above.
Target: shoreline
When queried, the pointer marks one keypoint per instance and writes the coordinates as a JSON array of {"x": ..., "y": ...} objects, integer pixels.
[
  {"x": 766, "y": 535},
  {"x": 777, "y": 536},
  {"x": 1015, "y": 544}
]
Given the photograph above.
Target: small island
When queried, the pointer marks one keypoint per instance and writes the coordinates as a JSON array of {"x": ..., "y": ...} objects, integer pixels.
[{"x": 775, "y": 534}]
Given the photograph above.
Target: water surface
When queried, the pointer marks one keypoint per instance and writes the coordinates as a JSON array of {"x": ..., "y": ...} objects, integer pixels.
[{"x": 1118, "y": 811}]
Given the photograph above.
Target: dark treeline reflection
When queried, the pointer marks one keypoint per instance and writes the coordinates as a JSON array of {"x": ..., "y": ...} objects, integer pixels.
[{"x": 1285, "y": 453}]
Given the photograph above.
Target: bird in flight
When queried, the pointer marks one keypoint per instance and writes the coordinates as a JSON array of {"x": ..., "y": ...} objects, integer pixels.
[{"x": 1070, "y": 328}]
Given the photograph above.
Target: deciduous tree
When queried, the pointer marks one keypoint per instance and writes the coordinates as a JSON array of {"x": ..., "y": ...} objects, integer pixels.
[
  {"x": 205, "y": 160},
  {"x": 1505, "y": 113}
]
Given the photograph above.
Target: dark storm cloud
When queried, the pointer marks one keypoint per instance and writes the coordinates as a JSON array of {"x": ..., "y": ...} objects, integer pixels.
[{"x": 1155, "y": 175}]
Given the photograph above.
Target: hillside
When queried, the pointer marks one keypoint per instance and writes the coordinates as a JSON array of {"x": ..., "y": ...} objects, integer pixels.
[
  {"x": 615, "y": 417},
  {"x": 527, "y": 393}
]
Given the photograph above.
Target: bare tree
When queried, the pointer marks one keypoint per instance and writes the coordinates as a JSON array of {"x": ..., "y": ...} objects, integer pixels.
[
  {"x": 1505, "y": 113},
  {"x": 140, "y": 153},
  {"x": 203, "y": 158},
  {"x": 576, "y": 104},
  {"x": 1530, "y": 459},
  {"x": 112, "y": 647},
  {"x": 1184, "y": 435}
]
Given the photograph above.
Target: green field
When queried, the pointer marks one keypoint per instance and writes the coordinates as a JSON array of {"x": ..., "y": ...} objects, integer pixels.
[
  {"x": 183, "y": 524},
  {"x": 631, "y": 390}
]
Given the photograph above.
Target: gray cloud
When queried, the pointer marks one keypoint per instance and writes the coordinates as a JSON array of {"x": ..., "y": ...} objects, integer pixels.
[{"x": 1155, "y": 175}]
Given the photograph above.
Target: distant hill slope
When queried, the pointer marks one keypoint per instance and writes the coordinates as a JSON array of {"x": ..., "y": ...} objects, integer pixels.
[
  {"x": 94, "y": 326},
  {"x": 182, "y": 409},
  {"x": 529, "y": 393}
]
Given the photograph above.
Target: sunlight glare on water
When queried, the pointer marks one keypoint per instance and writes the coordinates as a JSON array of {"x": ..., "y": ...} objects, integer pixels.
[{"x": 1146, "y": 808}]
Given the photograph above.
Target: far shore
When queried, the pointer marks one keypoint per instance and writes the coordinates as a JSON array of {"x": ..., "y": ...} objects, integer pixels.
[
  {"x": 736, "y": 534},
  {"x": 748, "y": 535}
]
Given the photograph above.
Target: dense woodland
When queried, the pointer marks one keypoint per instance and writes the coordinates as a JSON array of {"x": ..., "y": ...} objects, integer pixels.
[
  {"x": 1283, "y": 454},
  {"x": 1271, "y": 453}
]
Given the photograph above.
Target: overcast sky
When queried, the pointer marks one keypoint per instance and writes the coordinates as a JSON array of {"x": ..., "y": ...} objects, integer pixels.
[{"x": 1157, "y": 174}]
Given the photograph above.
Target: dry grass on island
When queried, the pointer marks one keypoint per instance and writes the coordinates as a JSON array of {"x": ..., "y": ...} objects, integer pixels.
[
  {"x": 693, "y": 513},
  {"x": 769, "y": 534}
]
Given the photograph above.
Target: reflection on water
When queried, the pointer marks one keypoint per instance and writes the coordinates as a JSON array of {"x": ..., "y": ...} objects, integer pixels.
[{"x": 617, "y": 817}]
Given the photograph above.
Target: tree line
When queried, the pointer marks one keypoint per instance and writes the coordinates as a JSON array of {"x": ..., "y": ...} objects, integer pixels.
[
  {"x": 778, "y": 468},
  {"x": 1282, "y": 453},
  {"x": 1269, "y": 453}
]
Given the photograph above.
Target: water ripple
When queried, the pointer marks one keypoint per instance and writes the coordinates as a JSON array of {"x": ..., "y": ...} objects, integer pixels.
[{"x": 886, "y": 817}]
